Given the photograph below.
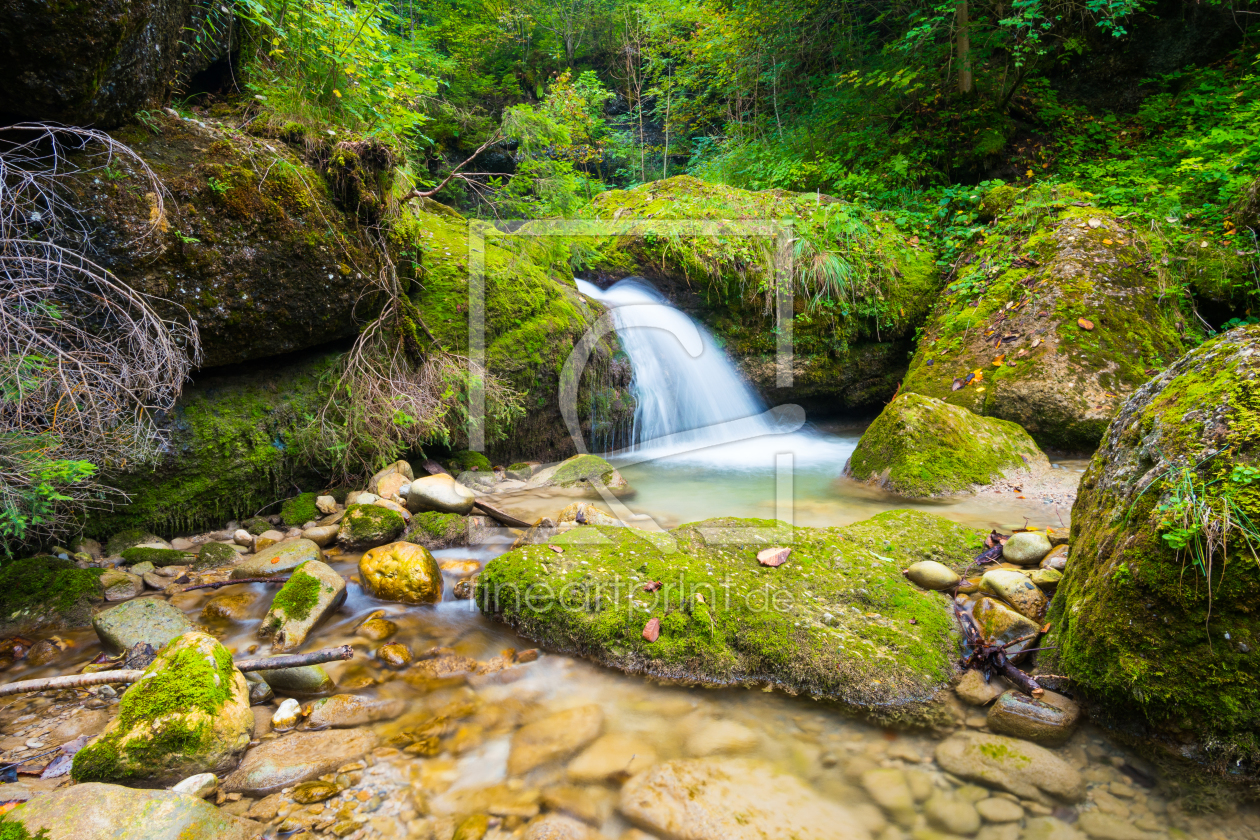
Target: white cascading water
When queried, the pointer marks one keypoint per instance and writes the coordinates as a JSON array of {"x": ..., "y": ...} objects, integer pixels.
[{"x": 692, "y": 403}]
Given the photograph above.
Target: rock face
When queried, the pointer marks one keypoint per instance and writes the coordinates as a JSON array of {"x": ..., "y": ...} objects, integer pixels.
[
  {"x": 841, "y": 360},
  {"x": 111, "y": 812},
  {"x": 311, "y": 594},
  {"x": 920, "y": 446},
  {"x": 1024, "y": 769},
  {"x": 732, "y": 800},
  {"x": 846, "y": 608},
  {"x": 366, "y": 526},
  {"x": 1049, "y": 262},
  {"x": 279, "y": 559},
  {"x": 188, "y": 714},
  {"x": 401, "y": 572},
  {"x": 1133, "y": 619},
  {"x": 99, "y": 63},
  {"x": 149, "y": 620},
  {"x": 439, "y": 493},
  {"x": 278, "y": 764},
  {"x": 579, "y": 471}
]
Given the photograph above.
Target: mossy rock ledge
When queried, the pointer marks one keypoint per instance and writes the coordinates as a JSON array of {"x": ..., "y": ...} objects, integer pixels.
[
  {"x": 920, "y": 446},
  {"x": 1012, "y": 321},
  {"x": 1169, "y": 664},
  {"x": 837, "y": 621}
]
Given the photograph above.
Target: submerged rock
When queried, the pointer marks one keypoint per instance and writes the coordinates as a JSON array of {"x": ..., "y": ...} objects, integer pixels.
[
  {"x": 366, "y": 526},
  {"x": 144, "y": 620},
  {"x": 275, "y": 765},
  {"x": 1024, "y": 769},
  {"x": 188, "y": 714},
  {"x": 91, "y": 811},
  {"x": 554, "y": 737},
  {"x": 920, "y": 446},
  {"x": 1059, "y": 381},
  {"x": 305, "y": 681},
  {"x": 311, "y": 594},
  {"x": 710, "y": 799},
  {"x": 732, "y": 633},
  {"x": 401, "y": 572},
  {"x": 441, "y": 494},
  {"x": 279, "y": 559},
  {"x": 1134, "y": 623}
]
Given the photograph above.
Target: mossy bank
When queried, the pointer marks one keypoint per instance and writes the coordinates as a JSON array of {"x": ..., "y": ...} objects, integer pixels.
[{"x": 837, "y": 621}]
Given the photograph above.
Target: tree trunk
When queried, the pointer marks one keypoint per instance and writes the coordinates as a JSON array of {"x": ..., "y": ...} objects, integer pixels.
[{"x": 962, "y": 28}]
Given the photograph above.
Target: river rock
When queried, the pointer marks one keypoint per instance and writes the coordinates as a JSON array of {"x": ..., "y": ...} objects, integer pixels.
[
  {"x": 554, "y": 737},
  {"x": 376, "y": 629},
  {"x": 712, "y": 799},
  {"x": 1042, "y": 721},
  {"x": 275, "y": 765},
  {"x": 279, "y": 559},
  {"x": 212, "y": 555},
  {"x": 579, "y": 471},
  {"x": 1047, "y": 580},
  {"x": 1020, "y": 767},
  {"x": 394, "y": 655},
  {"x": 932, "y": 575},
  {"x": 1049, "y": 828},
  {"x": 311, "y": 594},
  {"x": 366, "y": 526},
  {"x": 267, "y": 539},
  {"x": 951, "y": 813},
  {"x": 148, "y": 620},
  {"x": 188, "y": 714},
  {"x": 401, "y": 572},
  {"x": 995, "y": 809},
  {"x": 111, "y": 812},
  {"x": 973, "y": 689},
  {"x": 999, "y": 624},
  {"x": 200, "y": 785},
  {"x": 477, "y": 480},
  {"x": 611, "y": 757},
  {"x": 1026, "y": 548},
  {"x": 1056, "y": 559},
  {"x": 326, "y": 505},
  {"x": 919, "y": 447},
  {"x": 322, "y": 535},
  {"x": 889, "y": 789},
  {"x": 229, "y": 606},
  {"x": 559, "y": 827},
  {"x": 721, "y": 736},
  {"x": 439, "y": 493},
  {"x": 387, "y": 482},
  {"x": 306, "y": 681},
  {"x": 342, "y": 711},
  {"x": 1017, "y": 590},
  {"x": 1101, "y": 826},
  {"x": 117, "y": 585}
]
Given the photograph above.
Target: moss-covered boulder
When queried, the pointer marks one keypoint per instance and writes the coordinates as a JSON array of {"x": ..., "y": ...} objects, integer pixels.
[
  {"x": 156, "y": 556},
  {"x": 367, "y": 526},
  {"x": 580, "y": 471},
  {"x": 921, "y": 446},
  {"x": 464, "y": 460},
  {"x": 862, "y": 286},
  {"x": 188, "y": 714},
  {"x": 837, "y": 620},
  {"x": 299, "y": 510},
  {"x": 46, "y": 591},
  {"x": 212, "y": 555},
  {"x": 128, "y": 537},
  {"x": 1171, "y": 497},
  {"x": 401, "y": 572},
  {"x": 311, "y": 594},
  {"x": 437, "y": 530},
  {"x": 1051, "y": 322}
]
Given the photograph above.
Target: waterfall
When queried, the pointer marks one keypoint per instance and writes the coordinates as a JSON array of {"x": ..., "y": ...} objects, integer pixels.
[{"x": 692, "y": 404}]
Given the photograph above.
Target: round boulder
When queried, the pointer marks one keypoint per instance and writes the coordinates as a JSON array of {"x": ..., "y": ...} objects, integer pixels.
[
  {"x": 365, "y": 526},
  {"x": 401, "y": 572},
  {"x": 929, "y": 574},
  {"x": 439, "y": 493},
  {"x": 1026, "y": 548}
]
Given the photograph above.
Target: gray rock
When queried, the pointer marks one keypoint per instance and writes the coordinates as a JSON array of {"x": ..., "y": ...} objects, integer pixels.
[
  {"x": 321, "y": 535},
  {"x": 1050, "y": 720},
  {"x": 439, "y": 493},
  {"x": 477, "y": 480},
  {"x": 300, "y": 606},
  {"x": 275, "y": 765},
  {"x": 999, "y": 624},
  {"x": 117, "y": 585},
  {"x": 1026, "y": 548},
  {"x": 342, "y": 711},
  {"x": 929, "y": 574},
  {"x": 111, "y": 812},
  {"x": 1020, "y": 767},
  {"x": 306, "y": 681},
  {"x": 1017, "y": 590},
  {"x": 141, "y": 569},
  {"x": 325, "y": 504},
  {"x": 1056, "y": 559},
  {"x": 951, "y": 813},
  {"x": 279, "y": 559},
  {"x": 973, "y": 689},
  {"x": 149, "y": 620},
  {"x": 726, "y": 799}
]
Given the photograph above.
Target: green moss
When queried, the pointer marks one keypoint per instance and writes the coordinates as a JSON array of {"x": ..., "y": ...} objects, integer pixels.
[
  {"x": 838, "y": 620},
  {"x": 11, "y": 829},
  {"x": 215, "y": 554},
  {"x": 126, "y": 539},
  {"x": 438, "y": 526},
  {"x": 521, "y": 465},
  {"x": 367, "y": 525},
  {"x": 257, "y": 525},
  {"x": 1001, "y": 752},
  {"x": 298, "y": 596},
  {"x": 919, "y": 446},
  {"x": 156, "y": 556},
  {"x": 45, "y": 585},
  {"x": 459, "y": 462},
  {"x": 583, "y": 468},
  {"x": 299, "y": 510}
]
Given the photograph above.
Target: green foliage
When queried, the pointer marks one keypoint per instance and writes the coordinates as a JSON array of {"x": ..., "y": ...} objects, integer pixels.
[
  {"x": 14, "y": 830},
  {"x": 40, "y": 496}
]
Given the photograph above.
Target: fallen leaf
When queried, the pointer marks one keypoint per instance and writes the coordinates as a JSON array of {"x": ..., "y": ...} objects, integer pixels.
[
  {"x": 958, "y": 384},
  {"x": 775, "y": 556},
  {"x": 979, "y": 374},
  {"x": 1085, "y": 324},
  {"x": 557, "y": 549},
  {"x": 652, "y": 630},
  {"x": 998, "y": 361},
  {"x": 1036, "y": 343},
  {"x": 1108, "y": 242},
  {"x": 652, "y": 586}
]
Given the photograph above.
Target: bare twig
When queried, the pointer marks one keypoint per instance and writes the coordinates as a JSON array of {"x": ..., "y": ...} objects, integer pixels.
[
  {"x": 296, "y": 660},
  {"x": 230, "y": 582},
  {"x": 501, "y": 515},
  {"x": 494, "y": 138}
]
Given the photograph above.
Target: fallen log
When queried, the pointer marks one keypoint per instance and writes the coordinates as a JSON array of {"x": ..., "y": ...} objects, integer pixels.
[
  {"x": 270, "y": 663},
  {"x": 501, "y": 515},
  {"x": 229, "y": 582}
]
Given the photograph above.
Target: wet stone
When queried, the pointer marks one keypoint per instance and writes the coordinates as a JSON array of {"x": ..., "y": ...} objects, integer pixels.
[
  {"x": 973, "y": 689},
  {"x": 394, "y": 655},
  {"x": 1026, "y": 548},
  {"x": 1056, "y": 559},
  {"x": 1020, "y": 716},
  {"x": 1017, "y": 590},
  {"x": 308, "y": 793},
  {"x": 377, "y": 629},
  {"x": 930, "y": 574}
]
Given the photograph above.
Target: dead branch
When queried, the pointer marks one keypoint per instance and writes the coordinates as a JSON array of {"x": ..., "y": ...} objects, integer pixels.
[
  {"x": 296, "y": 660},
  {"x": 501, "y": 515},
  {"x": 494, "y": 138},
  {"x": 230, "y": 582}
]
